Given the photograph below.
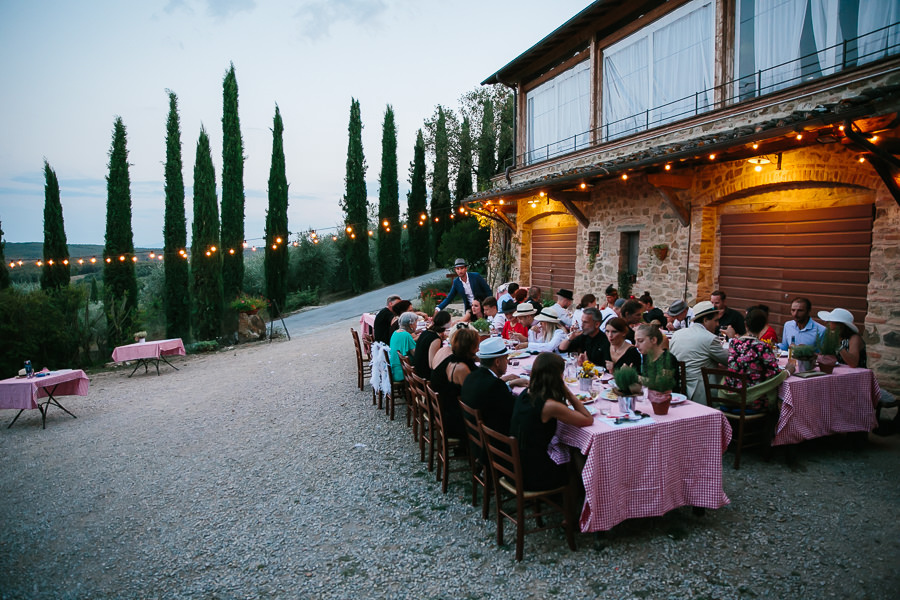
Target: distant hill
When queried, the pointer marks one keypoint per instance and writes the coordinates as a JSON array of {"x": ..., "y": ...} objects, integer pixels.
[{"x": 35, "y": 250}]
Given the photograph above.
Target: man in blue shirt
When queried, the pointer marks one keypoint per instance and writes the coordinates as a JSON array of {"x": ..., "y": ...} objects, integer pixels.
[{"x": 802, "y": 329}]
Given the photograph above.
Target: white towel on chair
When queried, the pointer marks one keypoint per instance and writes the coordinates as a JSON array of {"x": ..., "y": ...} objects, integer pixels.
[{"x": 381, "y": 368}]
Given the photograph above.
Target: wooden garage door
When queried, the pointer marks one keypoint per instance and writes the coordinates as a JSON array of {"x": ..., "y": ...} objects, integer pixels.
[
  {"x": 553, "y": 257},
  {"x": 773, "y": 257}
]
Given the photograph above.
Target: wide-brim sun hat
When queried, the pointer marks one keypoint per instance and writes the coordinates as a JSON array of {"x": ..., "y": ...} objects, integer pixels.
[
  {"x": 492, "y": 348},
  {"x": 547, "y": 315},
  {"x": 676, "y": 308},
  {"x": 701, "y": 309},
  {"x": 525, "y": 309},
  {"x": 839, "y": 315}
]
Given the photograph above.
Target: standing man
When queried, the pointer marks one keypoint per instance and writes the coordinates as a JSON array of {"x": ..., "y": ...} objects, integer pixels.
[
  {"x": 382, "y": 328},
  {"x": 801, "y": 329},
  {"x": 697, "y": 346},
  {"x": 728, "y": 317},
  {"x": 591, "y": 341},
  {"x": 468, "y": 285},
  {"x": 563, "y": 302}
]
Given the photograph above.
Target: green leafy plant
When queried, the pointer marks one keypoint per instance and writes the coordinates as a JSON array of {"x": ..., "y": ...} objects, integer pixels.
[
  {"x": 660, "y": 380},
  {"x": 246, "y": 303},
  {"x": 828, "y": 342},
  {"x": 804, "y": 352},
  {"x": 627, "y": 380},
  {"x": 482, "y": 326},
  {"x": 205, "y": 346}
]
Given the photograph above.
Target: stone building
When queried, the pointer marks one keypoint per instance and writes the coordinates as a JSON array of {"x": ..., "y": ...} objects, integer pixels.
[{"x": 692, "y": 145}]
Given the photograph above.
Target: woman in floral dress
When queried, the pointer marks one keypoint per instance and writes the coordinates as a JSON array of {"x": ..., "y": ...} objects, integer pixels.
[{"x": 753, "y": 357}]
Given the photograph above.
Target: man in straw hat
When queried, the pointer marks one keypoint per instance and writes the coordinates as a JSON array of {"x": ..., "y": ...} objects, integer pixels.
[
  {"x": 697, "y": 346},
  {"x": 470, "y": 286},
  {"x": 525, "y": 313}
]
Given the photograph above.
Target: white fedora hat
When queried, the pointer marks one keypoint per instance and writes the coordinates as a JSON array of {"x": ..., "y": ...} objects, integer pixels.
[{"x": 492, "y": 348}]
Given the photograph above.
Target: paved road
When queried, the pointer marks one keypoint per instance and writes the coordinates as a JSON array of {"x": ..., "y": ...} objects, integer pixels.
[{"x": 316, "y": 318}]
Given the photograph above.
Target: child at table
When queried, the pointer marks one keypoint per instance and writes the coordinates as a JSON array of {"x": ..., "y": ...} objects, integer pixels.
[{"x": 648, "y": 339}]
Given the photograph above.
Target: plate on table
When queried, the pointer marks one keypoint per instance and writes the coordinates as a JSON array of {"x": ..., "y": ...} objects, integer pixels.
[
  {"x": 678, "y": 398},
  {"x": 610, "y": 395},
  {"x": 585, "y": 398},
  {"x": 606, "y": 377}
]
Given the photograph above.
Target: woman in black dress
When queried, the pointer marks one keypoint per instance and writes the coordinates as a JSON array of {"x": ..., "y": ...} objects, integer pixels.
[
  {"x": 621, "y": 351},
  {"x": 429, "y": 343},
  {"x": 534, "y": 420},
  {"x": 447, "y": 379}
]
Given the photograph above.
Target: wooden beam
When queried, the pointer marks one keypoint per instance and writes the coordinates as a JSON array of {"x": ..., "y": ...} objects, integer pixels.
[
  {"x": 566, "y": 199},
  {"x": 887, "y": 174},
  {"x": 682, "y": 211},
  {"x": 495, "y": 216},
  {"x": 678, "y": 182}
]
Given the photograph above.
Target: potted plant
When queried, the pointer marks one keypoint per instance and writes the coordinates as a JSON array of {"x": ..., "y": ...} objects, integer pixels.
[
  {"x": 805, "y": 355},
  {"x": 660, "y": 251},
  {"x": 140, "y": 336},
  {"x": 829, "y": 343},
  {"x": 659, "y": 390},
  {"x": 248, "y": 304},
  {"x": 483, "y": 327},
  {"x": 586, "y": 375},
  {"x": 628, "y": 385}
]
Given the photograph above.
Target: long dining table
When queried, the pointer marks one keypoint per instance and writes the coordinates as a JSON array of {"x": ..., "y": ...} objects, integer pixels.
[{"x": 644, "y": 468}]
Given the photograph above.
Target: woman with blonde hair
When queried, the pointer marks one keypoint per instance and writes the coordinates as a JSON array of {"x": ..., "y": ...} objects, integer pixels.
[{"x": 546, "y": 335}]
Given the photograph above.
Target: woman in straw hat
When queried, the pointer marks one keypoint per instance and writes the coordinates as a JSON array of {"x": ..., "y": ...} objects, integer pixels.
[
  {"x": 853, "y": 349},
  {"x": 546, "y": 335}
]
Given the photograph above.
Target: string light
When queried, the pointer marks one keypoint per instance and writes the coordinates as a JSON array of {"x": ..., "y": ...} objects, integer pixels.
[
  {"x": 712, "y": 157},
  {"x": 668, "y": 167},
  {"x": 624, "y": 176},
  {"x": 755, "y": 146},
  {"x": 231, "y": 251}
]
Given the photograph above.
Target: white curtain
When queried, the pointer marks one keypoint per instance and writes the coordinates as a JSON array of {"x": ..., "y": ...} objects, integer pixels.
[
  {"x": 626, "y": 93},
  {"x": 541, "y": 125},
  {"x": 574, "y": 100},
  {"x": 827, "y": 32},
  {"x": 875, "y": 14},
  {"x": 683, "y": 66},
  {"x": 778, "y": 25}
]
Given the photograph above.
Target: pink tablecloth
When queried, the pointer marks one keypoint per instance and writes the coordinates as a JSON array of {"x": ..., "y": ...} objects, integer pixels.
[
  {"x": 149, "y": 350},
  {"x": 842, "y": 402},
  {"x": 367, "y": 323},
  {"x": 22, "y": 393}
]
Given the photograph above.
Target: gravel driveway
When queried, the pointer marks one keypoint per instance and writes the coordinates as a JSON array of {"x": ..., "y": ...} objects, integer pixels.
[{"x": 262, "y": 471}]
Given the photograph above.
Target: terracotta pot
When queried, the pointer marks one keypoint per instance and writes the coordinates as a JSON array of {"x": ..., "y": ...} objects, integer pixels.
[
  {"x": 251, "y": 312},
  {"x": 661, "y": 253},
  {"x": 660, "y": 401},
  {"x": 826, "y": 363}
]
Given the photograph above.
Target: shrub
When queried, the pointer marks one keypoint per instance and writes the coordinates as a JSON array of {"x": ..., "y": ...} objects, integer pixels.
[
  {"x": 206, "y": 346},
  {"x": 297, "y": 300}
]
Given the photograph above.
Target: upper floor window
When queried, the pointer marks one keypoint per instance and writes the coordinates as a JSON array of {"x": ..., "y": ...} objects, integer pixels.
[
  {"x": 781, "y": 43},
  {"x": 662, "y": 73},
  {"x": 559, "y": 114}
]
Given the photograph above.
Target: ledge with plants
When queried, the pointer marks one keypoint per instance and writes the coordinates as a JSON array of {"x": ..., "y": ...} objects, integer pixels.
[{"x": 248, "y": 304}]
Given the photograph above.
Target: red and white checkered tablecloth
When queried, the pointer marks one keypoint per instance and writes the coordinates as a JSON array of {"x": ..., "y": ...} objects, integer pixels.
[
  {"x": 842, "y": 402},
  {"x": 367, "y": 323},
  {"x": 648, "y": 470}
]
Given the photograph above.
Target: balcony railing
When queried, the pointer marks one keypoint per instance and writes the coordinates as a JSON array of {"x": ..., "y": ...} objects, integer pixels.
[{"x": 814, "y": 65}]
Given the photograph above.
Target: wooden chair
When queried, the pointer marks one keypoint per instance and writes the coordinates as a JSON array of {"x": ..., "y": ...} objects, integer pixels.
[
  {"x": 444, "y": 446},
  {"x": 422, "y": 429},
  {"x": 363, "y": 363},
  {"x": 506, "y": 474},
  {"x": 682, "y": 375},
  {"x": 407, "y": 368},
  {"x": 719, "y": 394},
  {"x": 398, "y": 391},
  {"x": 481, "y": 472}
]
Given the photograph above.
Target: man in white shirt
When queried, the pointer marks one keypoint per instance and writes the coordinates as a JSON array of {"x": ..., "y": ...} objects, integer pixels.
[
  {"x": 496, "y": 318},
  {"x": 801, "y": 329},
  {"x": 697, "y": 346},
  {"x": 564, "y": 299}
]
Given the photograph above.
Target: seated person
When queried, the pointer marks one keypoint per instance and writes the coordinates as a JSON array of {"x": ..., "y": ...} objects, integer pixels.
[
  {"x": 384, "y": 319},
  {"x": 563, "y": 302},
  {"x": 475, "y": 312},
  {"x": 403, "y": 341},
  {"x": 621, "y": 352},
  {"x": 587, "y": 301},
  {"x": 678, "y": 315},
  {"x": 493, "y": 314},
  {"x": 512, "y": 325},
  {"x": 447, "y": 378},
  {"x": 487, "y": 388},
  {"x": 648, "y": 341},
  {"x": 534, "y": 420},
  {"x": 853, "y": 349},
  {"x": 506, "y": 294},
  {"x": 429, "y": 342},
  {"x": 633, "y": 314},
  {"x": 525, "y": 314},
  {"x": 591, "y": 341},
  {"x": 801, "y": 329},
  {"x": 651, "y": 313},
  {"x": 534, "y": 296},
  {"x": 520, "y": 295},
  {"x": 546, "y": 335},
  {"x": 400, "y": 307},
  {"x": 768, "y": 336},
  {"x": 697, "y": 346},
  {"x": 731, "y": 322},
  {"x": 753, "y": 357}
]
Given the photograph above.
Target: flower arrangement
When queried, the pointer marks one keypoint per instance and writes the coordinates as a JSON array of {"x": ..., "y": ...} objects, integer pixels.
[
  {"x": 140, "y": 335},
  {"x": 246, "y": 303},
  {"x": 482, "y": 326},
  {"x": 588, "y": 370}
]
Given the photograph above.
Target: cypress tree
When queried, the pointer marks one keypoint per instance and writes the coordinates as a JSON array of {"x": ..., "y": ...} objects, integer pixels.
[
  {"x": 95, "y": 292},
  {"x": 464, "y": 174},
  {"x": 232, "y": 190},
  {"x": 506, "y": 146},
  {"x": 206, "y": 264},
  {"x": 487, "y": 161},
  {"x": 176, "y": 298},
  {"x": 55, "y": 272},
  {"x": 416, "y": 207},
  {"x": 355, "y": 205},
  {"x": 440, "y": 191},
  {"x": 119, "y": 281},
  {"x": 389, "y": 261},
  {"x": 277, "y": 222},
  {"x": 4, "y": 273}
]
